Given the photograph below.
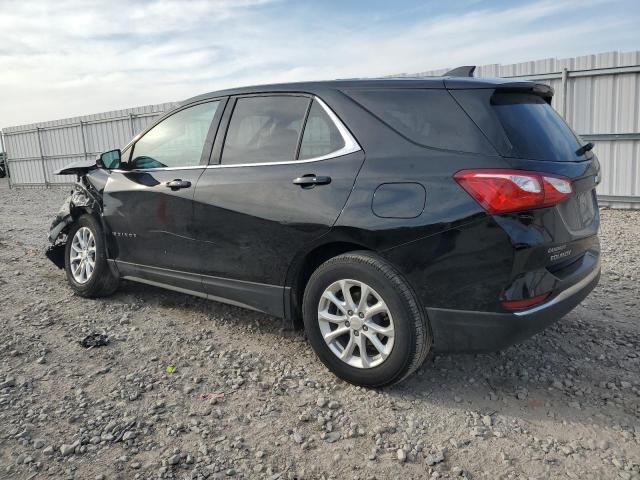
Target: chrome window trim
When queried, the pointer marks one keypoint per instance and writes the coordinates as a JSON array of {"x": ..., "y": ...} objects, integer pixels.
[
  {"x": 159, "y": 169},
  {"x": 350, "y": 146}
]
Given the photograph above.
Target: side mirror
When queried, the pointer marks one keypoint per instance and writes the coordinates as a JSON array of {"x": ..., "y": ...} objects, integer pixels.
[{"x": 110, "y": 159}]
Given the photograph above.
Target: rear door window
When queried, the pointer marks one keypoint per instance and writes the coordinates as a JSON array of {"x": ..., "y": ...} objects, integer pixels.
[
  {"x": 521, "y": 125},
  {"x": 264, "y": 129},
  {"x": 429, "y": 117}
]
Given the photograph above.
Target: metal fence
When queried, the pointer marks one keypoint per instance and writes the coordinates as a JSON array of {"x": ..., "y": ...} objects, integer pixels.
[
  {"x": 599, "y": 95},
  {"x": 36, "y": 151}
]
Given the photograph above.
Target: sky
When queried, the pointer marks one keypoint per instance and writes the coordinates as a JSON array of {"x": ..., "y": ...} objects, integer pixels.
[{"x": 63, "y": 58}]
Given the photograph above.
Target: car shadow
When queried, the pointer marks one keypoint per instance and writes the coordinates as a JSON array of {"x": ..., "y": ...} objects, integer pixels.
[{"x": 564, "y": 373}]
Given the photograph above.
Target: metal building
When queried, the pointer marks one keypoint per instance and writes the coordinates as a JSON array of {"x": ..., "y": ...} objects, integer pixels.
[{"x": 599, "y": 95}]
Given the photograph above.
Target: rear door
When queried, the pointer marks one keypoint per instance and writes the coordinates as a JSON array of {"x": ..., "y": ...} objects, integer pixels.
[
  {"x": 531, "y": 135},
  {"x": 148, "y": 204},
  {"x": 525, "y": 129},
  {"x": 538, "y": 138},
  {"x": 279, "y": 179}
]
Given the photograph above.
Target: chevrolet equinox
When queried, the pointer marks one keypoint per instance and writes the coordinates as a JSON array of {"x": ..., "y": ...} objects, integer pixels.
[{"x": 392, "y": 217}]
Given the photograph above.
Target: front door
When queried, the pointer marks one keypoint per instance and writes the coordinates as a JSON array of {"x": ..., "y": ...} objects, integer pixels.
[
  {"x": 286, "y": 170},
  {"x": 148, "y": 204}
]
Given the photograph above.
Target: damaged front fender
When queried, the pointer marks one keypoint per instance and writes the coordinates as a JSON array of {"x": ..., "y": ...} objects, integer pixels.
[
  {"x": 83, "y": 199},
  {"x": 61, "y": 222}
]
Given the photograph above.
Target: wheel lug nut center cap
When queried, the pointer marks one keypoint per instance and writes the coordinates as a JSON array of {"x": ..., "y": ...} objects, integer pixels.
[{"x": 356, "y": 322}]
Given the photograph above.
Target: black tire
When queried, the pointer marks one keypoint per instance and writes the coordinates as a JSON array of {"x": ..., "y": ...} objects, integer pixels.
[
  {"x": 103, "y": 281},
  {"x": 412, "y": 339}
]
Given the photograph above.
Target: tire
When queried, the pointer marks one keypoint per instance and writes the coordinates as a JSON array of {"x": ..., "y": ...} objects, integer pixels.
[
  {"x": 386, "y": 364},
  {"x": 102, "y": 281}
]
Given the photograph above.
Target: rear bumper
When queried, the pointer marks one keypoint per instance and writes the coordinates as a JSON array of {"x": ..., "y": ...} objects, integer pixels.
[{"x": 470, "y": 331}]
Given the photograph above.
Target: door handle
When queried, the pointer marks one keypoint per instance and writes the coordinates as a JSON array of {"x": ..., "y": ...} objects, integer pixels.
[
  {"x": 177, "y": 184},
  {"x": 310, "y": 180}
]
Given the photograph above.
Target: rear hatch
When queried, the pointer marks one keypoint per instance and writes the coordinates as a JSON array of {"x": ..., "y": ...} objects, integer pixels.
[{"x": 523, "y": 127}]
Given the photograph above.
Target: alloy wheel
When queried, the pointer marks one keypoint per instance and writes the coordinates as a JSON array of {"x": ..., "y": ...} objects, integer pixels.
[
  {"x": 356, "y": 323},
  {"x": 82, "y": 256}
]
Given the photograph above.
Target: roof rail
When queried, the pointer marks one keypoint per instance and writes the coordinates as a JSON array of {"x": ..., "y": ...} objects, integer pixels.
[{"x": 465, "y": 71}]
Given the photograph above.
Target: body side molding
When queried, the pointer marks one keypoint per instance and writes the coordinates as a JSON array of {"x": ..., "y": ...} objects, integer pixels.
[{"x": 261, "y": 297}]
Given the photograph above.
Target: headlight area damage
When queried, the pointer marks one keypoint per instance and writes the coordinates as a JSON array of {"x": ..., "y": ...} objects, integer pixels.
[{"x": 84, "y": 198}]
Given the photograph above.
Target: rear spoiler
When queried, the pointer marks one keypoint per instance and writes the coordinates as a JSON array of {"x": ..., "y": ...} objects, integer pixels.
[
  {"x": 539, "y": 89},
  {"x": 460, "y": 78}
]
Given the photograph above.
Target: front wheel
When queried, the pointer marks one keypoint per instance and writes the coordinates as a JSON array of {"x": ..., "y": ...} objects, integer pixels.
[
  {"x": 86, "y": 265},
  {"x": 364, "y": 321}
]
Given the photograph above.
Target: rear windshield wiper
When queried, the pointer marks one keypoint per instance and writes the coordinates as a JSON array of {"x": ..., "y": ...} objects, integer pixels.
[{"x": 584, "y": 149}]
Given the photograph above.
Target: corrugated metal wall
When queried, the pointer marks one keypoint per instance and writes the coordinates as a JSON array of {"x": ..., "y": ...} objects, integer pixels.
[
  {"x": 600, "y": 99},
  {"x": 36, "y": 151},
  {"x": 599, "y": 95}
]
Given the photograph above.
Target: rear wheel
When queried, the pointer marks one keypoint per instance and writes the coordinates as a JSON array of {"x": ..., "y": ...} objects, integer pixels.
[
  {"x": 363, "y": 320},
  {"x": 86, "y": 261}
]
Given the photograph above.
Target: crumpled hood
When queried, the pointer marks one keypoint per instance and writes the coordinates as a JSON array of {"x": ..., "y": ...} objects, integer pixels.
[{"x": 77, "y": 168}]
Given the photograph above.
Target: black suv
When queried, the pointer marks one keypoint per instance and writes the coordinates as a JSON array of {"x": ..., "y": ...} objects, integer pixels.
[{"x": 394, "y": 217}]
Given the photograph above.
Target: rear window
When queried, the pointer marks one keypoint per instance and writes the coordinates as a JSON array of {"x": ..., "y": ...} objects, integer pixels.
[
  {"x": 429, "y": 117},
  {"x": 521, "y": 125}
]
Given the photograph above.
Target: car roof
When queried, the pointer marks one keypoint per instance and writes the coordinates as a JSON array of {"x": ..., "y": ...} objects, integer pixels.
[{"x": 403, "y": 82}]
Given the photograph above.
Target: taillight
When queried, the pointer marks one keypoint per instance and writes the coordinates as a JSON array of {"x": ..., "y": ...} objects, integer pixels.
[{"x": 502, "y": 191}]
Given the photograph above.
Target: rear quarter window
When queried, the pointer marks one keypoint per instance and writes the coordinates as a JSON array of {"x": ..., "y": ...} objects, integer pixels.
[
  {"x": 321, "y": 136},
  {"x": 428, "y": 117}
]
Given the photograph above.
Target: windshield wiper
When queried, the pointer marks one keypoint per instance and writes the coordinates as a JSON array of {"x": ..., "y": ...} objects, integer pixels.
[{"x": 584, "y": 149}]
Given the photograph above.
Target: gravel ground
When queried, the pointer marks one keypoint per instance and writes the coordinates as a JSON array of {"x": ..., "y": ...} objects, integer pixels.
[{"x": 249, "y": 400}]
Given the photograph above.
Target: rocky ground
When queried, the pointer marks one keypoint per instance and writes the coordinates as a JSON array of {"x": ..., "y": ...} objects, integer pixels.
[{"x": 248, "y": 400}]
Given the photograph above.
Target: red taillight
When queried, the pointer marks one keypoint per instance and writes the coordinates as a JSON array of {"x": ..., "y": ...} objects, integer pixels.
[
  {"x": 526, "y": 302},
  {"x": 502, "y": 191}
]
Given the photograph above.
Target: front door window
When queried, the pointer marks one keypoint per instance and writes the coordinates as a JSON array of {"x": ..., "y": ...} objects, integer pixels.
[{"x": 177, "y": 141}]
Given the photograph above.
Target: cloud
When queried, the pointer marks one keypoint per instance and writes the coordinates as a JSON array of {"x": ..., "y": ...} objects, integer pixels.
[{"x": 72, "y": 57}]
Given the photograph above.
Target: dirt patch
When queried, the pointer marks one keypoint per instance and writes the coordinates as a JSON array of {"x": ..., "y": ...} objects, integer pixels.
[{"x": 245, "y": 399}]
